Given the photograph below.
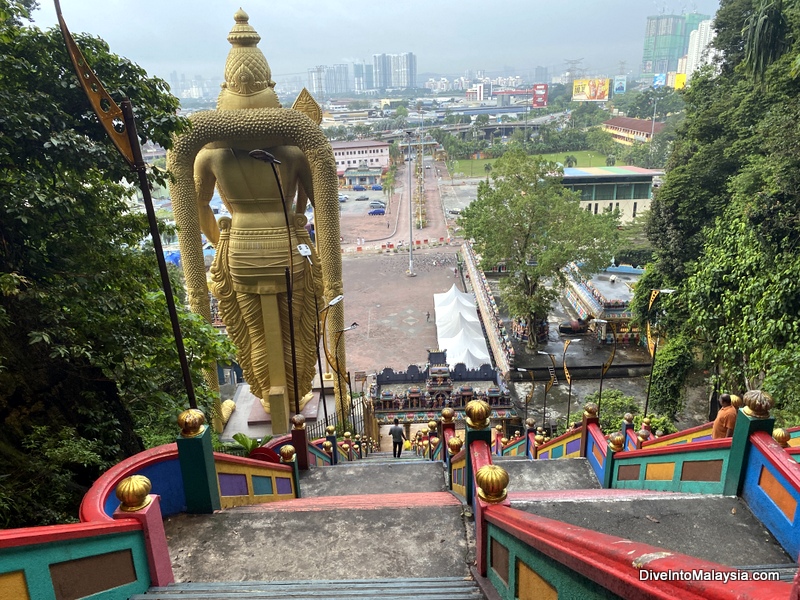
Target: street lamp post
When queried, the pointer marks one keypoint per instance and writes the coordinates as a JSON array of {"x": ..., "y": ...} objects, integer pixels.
[
  {"x": 653, "y": 295},
  {"x": 568, "y": 376},
  {"x": 547, "y": 386},
  {"x": 410, "y": 213},
  {"x": 338, "y": 370},
  {"x": 304, "y": 250},
  {"x": 530, "y": 394},
  {"x": 606, "y": 365}
]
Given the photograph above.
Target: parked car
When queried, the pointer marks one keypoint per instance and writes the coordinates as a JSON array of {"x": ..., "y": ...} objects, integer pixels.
[
  {"x": 378, "y": 212},
  {"x": 454, "y": 211},
  {"x": 377, "y": 204},
  {"x": 362, "y": 197},
  {"x": 342, "y": 198},
  {"x": 377, "y": 187},
  {"x": 359, "y": 188}
]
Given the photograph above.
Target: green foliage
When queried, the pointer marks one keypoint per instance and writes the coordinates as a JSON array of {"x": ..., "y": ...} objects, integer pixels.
[
  {"x": 247, "y": 443},
  {"x": 657, "y": 423},
  {"x": 674, "y": 360},
  {"x": 613, "y": 406},
  {"x": 528, "y": 220},
  {"x": 87, "y": 359}
]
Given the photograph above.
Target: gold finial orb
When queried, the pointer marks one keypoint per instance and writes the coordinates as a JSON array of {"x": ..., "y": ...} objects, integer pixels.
[
  {"x": 298, "y": 421},
  {"x": 448, "y": 414},
  {"x": 590, "y": 410},
  {"x": 643, "y": 435},
  {"x": 736, "y": 401},
  {"x": 539, "y": 439},
  {"x": 432, "y": 425},
  {"x": 330, "y": 430},
  {"x": 346, "y": 447},
  {"x": 287, "y": 453},
  {"x": 757, "y": 404},
  {"x": 358, "y": 437},
  {"x": 628, "y": 418},
  {"x": 347, "y": 435},
  {"x": 616, "y": 441},
  {"x": 327, "y": 446},
  {"x": 646, "y": 421},
  {"x": 530, "y": 423},
  {"x": 504, "y": 440},
  {"x": 477, "y": 412},
  {"x": 498, "y": 428},
  {"x": 134, "y": 493},
  {"x": 191, "y": 422},
  {"x": 781, "y": 436},
  {"x": 434, "y": 441},
  {"x": 492, "y": 483},
  {"x": 454, "y": 445}
]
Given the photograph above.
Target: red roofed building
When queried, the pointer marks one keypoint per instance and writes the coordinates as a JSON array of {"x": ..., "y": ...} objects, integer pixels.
[{"x": 627, "y": 130}]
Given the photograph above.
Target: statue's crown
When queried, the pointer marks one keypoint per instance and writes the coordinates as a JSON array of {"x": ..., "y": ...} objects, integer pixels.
[{"x": 246, "y": 70}]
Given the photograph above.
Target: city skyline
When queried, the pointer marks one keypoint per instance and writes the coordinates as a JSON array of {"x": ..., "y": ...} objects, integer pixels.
[{"x": 305, "y": 34}]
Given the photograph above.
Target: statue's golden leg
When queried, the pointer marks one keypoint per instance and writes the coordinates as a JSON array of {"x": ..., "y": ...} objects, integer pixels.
[{"x": 279, "y": 390}]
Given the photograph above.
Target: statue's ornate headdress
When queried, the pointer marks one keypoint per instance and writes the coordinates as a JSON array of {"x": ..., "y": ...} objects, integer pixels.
[{"x": 247, "y": 72}]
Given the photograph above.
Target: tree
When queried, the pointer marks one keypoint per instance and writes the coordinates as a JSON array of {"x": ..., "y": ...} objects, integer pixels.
[
  {"x": 570, "y": 160},
  {"x": 726, "y": 237},
  {"x": 526, "y": 219},
  {"x": 488, "y": 168},
  {"x": 88, "y": 367}
]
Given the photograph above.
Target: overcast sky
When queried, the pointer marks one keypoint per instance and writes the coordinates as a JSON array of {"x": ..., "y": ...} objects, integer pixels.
[{"x": 501, "y": 37}]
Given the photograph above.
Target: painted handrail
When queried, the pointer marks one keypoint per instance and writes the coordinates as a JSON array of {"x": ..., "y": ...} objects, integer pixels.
[
  {"x": 771, "y": 488},
  {"x": 681, "y": 437},
  {"x": 616, "y": 564},
  {"x": 550, "y": 449}
]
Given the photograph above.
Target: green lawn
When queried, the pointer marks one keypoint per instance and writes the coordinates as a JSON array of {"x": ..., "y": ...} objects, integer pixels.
[{"x": 586, "y": 158}]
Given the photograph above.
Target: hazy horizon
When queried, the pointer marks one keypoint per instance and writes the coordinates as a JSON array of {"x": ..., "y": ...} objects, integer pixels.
[{"x": 447, "y": 38}]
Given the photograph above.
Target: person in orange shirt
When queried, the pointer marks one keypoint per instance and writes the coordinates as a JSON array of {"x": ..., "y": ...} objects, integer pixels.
[{"x": 726, "y": 418}]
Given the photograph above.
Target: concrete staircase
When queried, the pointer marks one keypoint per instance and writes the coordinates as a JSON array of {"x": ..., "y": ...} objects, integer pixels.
[
  {"x": 544, "y": 475},
  {"x": 434, "y": 588},
  {"x": 377, "y": 528}
]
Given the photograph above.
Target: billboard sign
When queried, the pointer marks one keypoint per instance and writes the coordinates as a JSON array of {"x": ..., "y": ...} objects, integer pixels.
[
  {"x": 620, "y": 84},
  {"x": 539, "y": 95},
  {"x": 590, "y": 90},
  {"x": 659, "y": 80},
  {"x": 680, "y": 81}
]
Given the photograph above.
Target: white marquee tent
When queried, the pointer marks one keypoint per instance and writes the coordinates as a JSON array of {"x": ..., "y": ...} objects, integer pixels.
[{"x": 458, "y": 329}]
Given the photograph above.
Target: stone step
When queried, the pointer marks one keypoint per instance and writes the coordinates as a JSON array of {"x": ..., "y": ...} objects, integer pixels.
[
  {"x": 378, "y": 476},
  {"x": 545, "y": 475},
  {"x": 430, "y": 588}
]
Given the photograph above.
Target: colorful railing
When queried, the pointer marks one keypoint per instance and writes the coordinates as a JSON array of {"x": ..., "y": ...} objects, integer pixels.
[
  {"x": 241, "y": 482},
  {"x": 549, "y": 559},
  {"x": 458, "y": 474},
  {"x": 596, "y": 449},
  {"x": 74, "y": 561},
  {"x": 515, "y": 447},
  {"x": 701, "y": 433},
  {"x": 567, "y": 445},
  {"x": 771, "y": 488},
  {"x": 699, "y": 467}
]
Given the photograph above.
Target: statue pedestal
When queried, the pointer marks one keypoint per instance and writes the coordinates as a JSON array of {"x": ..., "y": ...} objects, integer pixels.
[{"x": 258, "y": 416}]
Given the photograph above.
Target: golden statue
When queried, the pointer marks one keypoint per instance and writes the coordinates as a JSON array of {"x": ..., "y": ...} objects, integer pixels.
[{"x": 260, "y": 241}]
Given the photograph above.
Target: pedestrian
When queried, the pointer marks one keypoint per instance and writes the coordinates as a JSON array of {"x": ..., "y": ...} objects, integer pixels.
[
  {"x": 428, "y": 316},
  {"x": 387, "y": 225},
  {"x": 726, "y": 418},
  {"x": 398, "y": 437}
]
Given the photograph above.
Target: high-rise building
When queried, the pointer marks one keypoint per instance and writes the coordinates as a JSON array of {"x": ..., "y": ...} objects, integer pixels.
[
  {"x": 699, "y": 52},
  {"x": 666, "y": 40},
  {"x": 362, "y": 77},
  {"x": 342, "y": 79},
  {"x": 382, "y": 70},
  {"x": 395, "y": 70},
  {"x": 540, "y": 75}
]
